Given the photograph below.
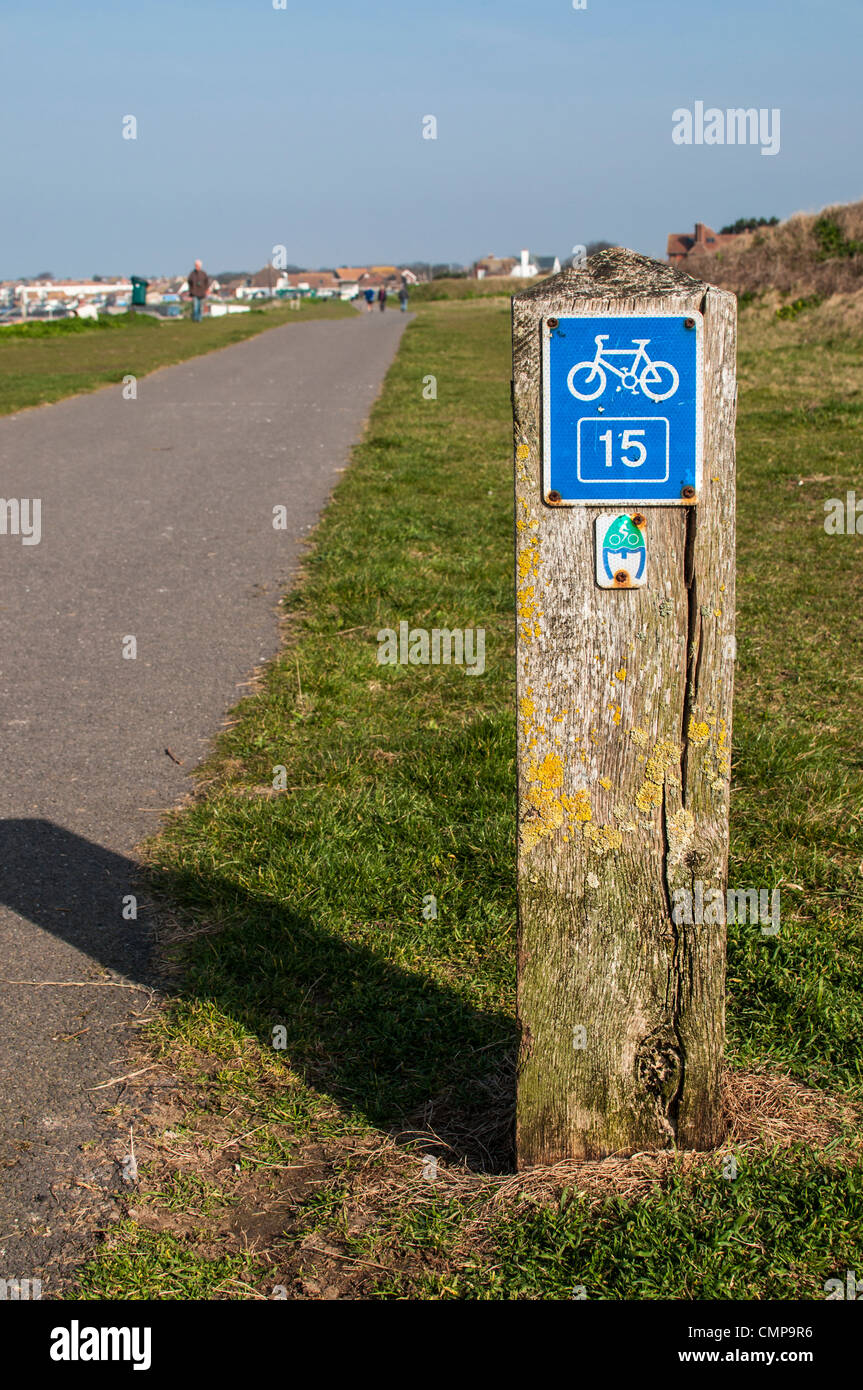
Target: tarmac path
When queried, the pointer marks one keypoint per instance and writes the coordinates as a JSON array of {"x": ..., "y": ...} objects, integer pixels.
[{"x": 156, "y": 523}]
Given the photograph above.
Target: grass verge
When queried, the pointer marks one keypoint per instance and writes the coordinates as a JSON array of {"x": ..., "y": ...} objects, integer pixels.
[{"x": 338, "y": 1058}]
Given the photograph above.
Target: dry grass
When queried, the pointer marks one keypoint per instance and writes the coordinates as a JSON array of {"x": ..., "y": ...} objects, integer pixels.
[
  {"x": 763, "y": 1111},
  {"x": 786, "y": 258}
]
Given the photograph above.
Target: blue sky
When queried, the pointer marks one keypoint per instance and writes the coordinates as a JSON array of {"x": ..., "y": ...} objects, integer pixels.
[{"x": 303, "y": 127}]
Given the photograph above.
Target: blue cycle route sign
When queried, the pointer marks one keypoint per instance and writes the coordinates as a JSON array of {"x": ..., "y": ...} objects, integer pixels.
[{"x": 622, "y": 409}]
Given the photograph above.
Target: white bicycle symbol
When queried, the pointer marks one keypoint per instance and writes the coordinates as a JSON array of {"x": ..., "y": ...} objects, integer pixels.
[{"x": 658, "y": 380}]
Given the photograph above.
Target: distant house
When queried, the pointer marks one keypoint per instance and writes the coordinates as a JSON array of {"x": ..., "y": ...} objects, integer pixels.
[
  {"x": 264, "y": 284},
  {"x": 704, "y": 242},
  {"x": 526, "y": 269},
  {"x": 350, "y": 277},
  {"x": 269, "y": 279},
  {"x": 493, "y": 266},
  {"x": 230, "y": 286},
  {"x": 320, "y": 282},
  {"x": 388, "y": 276}
]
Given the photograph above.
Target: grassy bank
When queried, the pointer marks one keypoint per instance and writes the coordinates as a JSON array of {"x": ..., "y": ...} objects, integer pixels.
[
  {"x": 365, "y": 1150},
  {"x": 810, "y": 254},
  {"x": 463, "y": 287},
  {"x": 42, "y": 362}
]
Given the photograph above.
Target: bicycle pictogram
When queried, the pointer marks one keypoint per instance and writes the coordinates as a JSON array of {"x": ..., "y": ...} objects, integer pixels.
[{"x": 658, "y": 380}]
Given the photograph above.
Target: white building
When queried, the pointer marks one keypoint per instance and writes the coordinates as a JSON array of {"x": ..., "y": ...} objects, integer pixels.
[
  {"x": 526, "y": 269},
  {"x": 42, "y": 291}
]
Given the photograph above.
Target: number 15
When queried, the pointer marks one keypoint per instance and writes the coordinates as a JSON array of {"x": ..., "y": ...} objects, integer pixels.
[{"x": 629, "y": 441}]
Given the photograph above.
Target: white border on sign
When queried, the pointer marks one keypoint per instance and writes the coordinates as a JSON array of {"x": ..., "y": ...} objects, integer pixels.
[
  {"x": 626, "y": 420},
  {"x": 699, "y": 410}
]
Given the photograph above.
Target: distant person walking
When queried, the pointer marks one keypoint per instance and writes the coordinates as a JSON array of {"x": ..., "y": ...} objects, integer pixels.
[
  {"x": 403, "y": 297},
  {"x": 370, "y": 299},
  {"x": 199, "y": 283},
  {"x": 382, "y": 297}
]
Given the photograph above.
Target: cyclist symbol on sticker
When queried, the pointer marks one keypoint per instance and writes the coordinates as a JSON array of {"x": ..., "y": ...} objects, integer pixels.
[{"x": 621, "y": 553}]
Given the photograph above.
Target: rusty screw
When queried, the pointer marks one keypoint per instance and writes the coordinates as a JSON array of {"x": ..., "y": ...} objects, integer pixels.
[
  {"x": 687, "y": 493},
  {"x": 553, "y": 497},
  {"x": 621, "y": 577},
  {"x": 690, "y": 323},
  {"x": 552, "y": 323},
  {"x": 639, "y": 519}
]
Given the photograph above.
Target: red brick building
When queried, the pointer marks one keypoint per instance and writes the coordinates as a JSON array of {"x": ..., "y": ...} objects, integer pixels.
[{"x": 705, "y": 242}]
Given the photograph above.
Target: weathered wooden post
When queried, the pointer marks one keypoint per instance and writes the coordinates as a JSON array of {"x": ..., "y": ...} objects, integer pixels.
[{"x": 624, "y": 404}]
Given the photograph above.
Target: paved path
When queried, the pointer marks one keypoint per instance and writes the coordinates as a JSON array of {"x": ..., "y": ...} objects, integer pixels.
[{"x": 157, "y": 523}]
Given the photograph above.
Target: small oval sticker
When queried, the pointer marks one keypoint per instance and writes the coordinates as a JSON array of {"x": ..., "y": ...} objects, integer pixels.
[{"x": 621, "y": 551}]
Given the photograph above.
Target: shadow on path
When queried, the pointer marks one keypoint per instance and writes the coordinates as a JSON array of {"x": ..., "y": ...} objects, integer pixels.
[{"x": 388, "y": 1044}]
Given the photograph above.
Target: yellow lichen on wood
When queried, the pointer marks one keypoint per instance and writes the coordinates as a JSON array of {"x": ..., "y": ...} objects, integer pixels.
[
  {"x": 664, "y": 758},
  {"x": 648, "y": 796},
  {"x": 680, "y": 830},
  {"x": 716, "y": 763},
  {"x": 663, "y": 762},
  {"x": 579, "y": 805},
  {"x": 603, "y": 838},
  {"x": 549, "y": 808},
  {"x": 528, "y": 571}
]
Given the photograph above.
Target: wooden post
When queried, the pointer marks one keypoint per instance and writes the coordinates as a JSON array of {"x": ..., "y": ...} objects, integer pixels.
[{"x": 624, "y": 730}]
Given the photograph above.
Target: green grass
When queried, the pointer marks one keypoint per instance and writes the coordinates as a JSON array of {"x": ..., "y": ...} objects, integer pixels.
[
  {"x": 42, "y": 362},
  {"x": 777, "y": 1232},
  {"x": 151, "y": 1265},
  {"x": 798, "y": 787},
  {"x": 309, "y": 903}
]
